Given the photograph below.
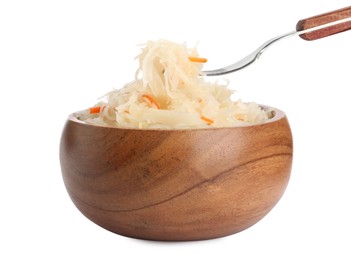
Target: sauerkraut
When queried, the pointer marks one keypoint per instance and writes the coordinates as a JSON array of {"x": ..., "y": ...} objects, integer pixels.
[{"x": 169, "y": 93}]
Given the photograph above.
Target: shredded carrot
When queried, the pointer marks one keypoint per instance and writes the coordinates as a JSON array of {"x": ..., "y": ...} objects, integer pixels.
[
  {"x": 240, "y": 117},
  {"x": 151, "y": 100},
  {"x": 197, "y": 59},
  {"x": 94, "y": 110},
  {"x": 207, "y": 120}
]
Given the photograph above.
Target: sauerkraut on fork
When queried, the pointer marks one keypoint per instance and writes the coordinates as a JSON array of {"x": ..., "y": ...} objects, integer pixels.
[{"x": 169, "y": 93}]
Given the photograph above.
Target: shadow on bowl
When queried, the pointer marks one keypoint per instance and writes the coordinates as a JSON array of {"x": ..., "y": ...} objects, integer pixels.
[{"x": 176, "y": 185}]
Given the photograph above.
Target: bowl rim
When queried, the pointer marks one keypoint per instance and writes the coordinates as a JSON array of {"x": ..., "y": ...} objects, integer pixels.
[{"x": 277, "y": 115}]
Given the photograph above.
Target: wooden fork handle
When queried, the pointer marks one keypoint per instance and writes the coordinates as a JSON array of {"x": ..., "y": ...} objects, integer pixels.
[{"x": 323, "y": 19}]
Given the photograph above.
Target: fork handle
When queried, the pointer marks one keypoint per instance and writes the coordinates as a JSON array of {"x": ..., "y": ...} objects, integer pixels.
[{"x": 324, "y": 19}]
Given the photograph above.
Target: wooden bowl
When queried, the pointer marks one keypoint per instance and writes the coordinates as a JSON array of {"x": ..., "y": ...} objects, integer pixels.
[{"x": 176, "y": 185}]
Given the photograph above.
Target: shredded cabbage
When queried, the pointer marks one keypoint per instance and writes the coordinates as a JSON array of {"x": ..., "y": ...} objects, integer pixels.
[{"x": 168, "y": 93}]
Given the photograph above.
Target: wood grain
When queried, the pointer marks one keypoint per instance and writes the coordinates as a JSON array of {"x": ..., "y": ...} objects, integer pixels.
[
  {"x": 324, "y": 19},
  {"x": 176, "y": 185}
]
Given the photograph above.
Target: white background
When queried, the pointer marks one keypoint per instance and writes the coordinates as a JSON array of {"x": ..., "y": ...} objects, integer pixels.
[{"x": 57, "y": 57}]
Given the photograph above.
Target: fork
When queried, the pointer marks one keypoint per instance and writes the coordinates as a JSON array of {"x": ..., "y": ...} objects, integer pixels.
[{"x": 309, "y": 29}]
